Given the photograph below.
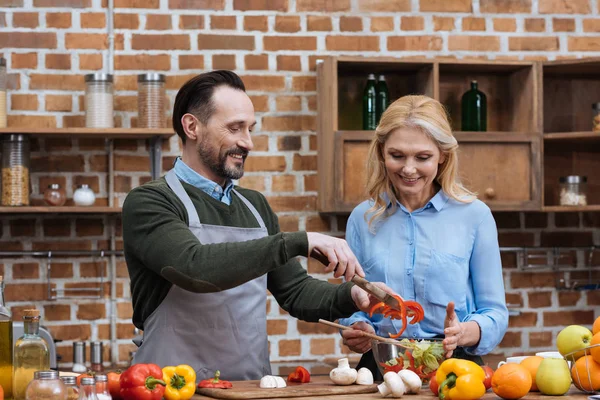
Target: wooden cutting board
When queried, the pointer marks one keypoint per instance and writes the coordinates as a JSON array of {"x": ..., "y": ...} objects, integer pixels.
[{"x": 318, "y": 386}]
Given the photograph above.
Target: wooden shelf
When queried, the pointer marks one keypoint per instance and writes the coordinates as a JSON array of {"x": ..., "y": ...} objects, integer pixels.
[
  {"x": 108, "y": 133},
  {"x": 592, "y": 207},
  {"x": 573, "y": 136},
  {"x": 60, "y": 210}
]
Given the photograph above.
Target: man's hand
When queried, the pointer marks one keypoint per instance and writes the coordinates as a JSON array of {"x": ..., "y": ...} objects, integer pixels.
[
  {"x": 354, "y": 340},
  {"x": 364, "y": 301},
  {"x": 342, "y": 260}
]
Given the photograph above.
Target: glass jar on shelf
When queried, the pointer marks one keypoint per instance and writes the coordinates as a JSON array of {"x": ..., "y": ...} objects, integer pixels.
[
  {"x": 84, "y": 196},
  {"x": 15, "y": 170},
  {"x": 99, "y": 100},
  {"x": 55, "y": 195},
  {"x": 151, "y": 100},
  {"x": 46, "y": 385},
  {"x": 573, "y": 190}
]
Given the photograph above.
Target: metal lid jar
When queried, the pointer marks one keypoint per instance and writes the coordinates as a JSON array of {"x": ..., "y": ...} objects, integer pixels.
[
  {"x": 99, "y": 100},
  {"x": 3, "y": 79},
  {"x": 15, "y": 170},
  {"x": 151, "y": 100},
  {"x": 573, "y": 190},
  {"x": 46, "y": 386}
]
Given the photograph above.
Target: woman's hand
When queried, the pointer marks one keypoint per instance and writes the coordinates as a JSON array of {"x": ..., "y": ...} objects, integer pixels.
[
  {"x": 354, "y": 340},
  {"x": 458, "y": 333}
]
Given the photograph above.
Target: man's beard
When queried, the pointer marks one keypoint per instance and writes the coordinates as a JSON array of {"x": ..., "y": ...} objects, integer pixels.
[{"x": 218, "y": 162}]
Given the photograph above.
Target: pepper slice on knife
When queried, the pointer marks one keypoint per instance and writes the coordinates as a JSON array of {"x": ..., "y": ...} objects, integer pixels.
[
  {"x": 215, "y": 382},
  {"x": 300, "y": 375},
  {"x": 408, "y": 308}
]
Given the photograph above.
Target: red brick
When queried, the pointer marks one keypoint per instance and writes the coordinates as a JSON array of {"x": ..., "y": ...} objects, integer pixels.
[
  {"x": 139, "y": 3},
  {"x": 91, "y": 311},
  {"x": 288, "y": 223},
  {"x": 160, "y": 42},
  {"x": 28, "y": 40},
  {"x": 256, "y": 61},
  {"x": 58, "y": 20},
  {"x": 56, "y": 227},
  {"x": 256, "y": 23},
  {"x": 384, "y": 5},
  {"x": 158, "y": 22},
  {"x": 288, "y": 103},
  {"x": 540, "y": 339},
  {"x": 564, "y": 7},
  {"x": 412, "y": 23},
  {"x": 253, "y": 5},
  {"x": 283, "y": 183},
  {"x": 58, "y": 61},
  {"x": 11, "y": 3},
  {"x": 26, "y": 292},
  {"x": 523, "y": 320},
  {"x": 593, "y": 298},
  {"x": 24, "y": 60},
  {"x": 584, "y": 44},
  {"x": 159, "y": 62},
  {"x": 309, "y": 328},
  {"x": 540, "y": 299},
  {"x": 511, "y": 339},
  {"x": 287, "y": 23},
  {"x": 288, "y": 123},
  {"x": 507, "y": 220},
  {"x": 191, "y": 62},
  {"x": 131, "y": 163},
  {"x": 31, "y": 121},
  {"x": 124, "y": 310},
  {"x": 253, "y": 182},
  {"x": 97, "y": 41},
  {"x": 24, "y": 102},
  {"x": 290, "y": 348},
  {"x": 567, "y": 298},
  {"x": 197, "y": 4},
  {"x": 57, "y": 312},
  {"x": 445, "y": 6},
  {"x": 352, "y": 43},
  {"x": 265, "y": 83},
  {"x": 25, "y": 20},
  {"x": 92, "y": 20},
  {"x": 26, "y": 271},
  {"x": 351, "y": 24},
  {"x": 508, "y": 239},
  {"x": 322, "y": 346},
  {"x": 90, "y": 61},
  {"x": 414, "y": 43},
  {"x": 127, "y": 21},
  {"x": 521, "y": 280},
  {"x": 381, "y": 24},
  {"x": 474, "y": 43},
  {"x": 276, "y": 43},
  {"x": 565, "y": 24},
  {"x": 505, "y": 6},
  {"x": 473, "y": 24},
  {"x": 71, "y": 332},
  {"x": 589, "y": 25},
  {"x": 566, "y": 220},
  {"x": 89, "y": 227},
  {"x": 323, "y": 5},
  {"x": 223, "y": 61},
  {"x": 536, "y": 220},
  {"x": 571, "y": 317},
  {"x": 225, "y": 42},
  {"x": 223, "y": 22},
  {"x": 63, "y": 3},
  {"x": 514, "y": 300},
  {"x": 293, "y": 203},
  {"x": 566, "y": 239},
  {"x": 535, "y": 25},
  {"x": 261, "y": 104},
  {"x": 318, "y": 23},
  {"x": 265, "y": 163},
  {"x": 305, "y": 163},
  {"x": 288, "y": 63},
  {"x": 318, "y": 223},
  {"x": 505, "y": 24},
  {"x": 304, "y": 84},
  {"x": 276, "y": 327}
]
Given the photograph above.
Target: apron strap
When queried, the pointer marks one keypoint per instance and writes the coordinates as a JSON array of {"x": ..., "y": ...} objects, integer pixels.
[
  {"x": 177, "y": 187},
  {"x": 251, "y": 208}
]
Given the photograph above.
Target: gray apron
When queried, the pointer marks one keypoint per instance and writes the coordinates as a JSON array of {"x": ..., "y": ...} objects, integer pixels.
[{"x": 224, "y": 331}]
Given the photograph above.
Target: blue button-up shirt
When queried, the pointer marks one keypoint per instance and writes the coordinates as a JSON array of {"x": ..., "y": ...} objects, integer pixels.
[
  {"x": 445, "y": 251},
  {"x": 188, "y": 175}
]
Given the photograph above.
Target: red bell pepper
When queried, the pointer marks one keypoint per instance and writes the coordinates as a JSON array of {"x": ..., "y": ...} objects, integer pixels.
[
  {"x": 142, "y": 382},
  {"x": 215, "y": 382},
  {"x": 300, "y": 375}
]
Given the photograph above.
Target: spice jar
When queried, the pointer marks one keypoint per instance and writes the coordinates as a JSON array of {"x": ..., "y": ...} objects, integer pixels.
[
  {"x": 15, "y": 170},
  {"x": 79, "y": 357},
  {"x": 87, "y": 389},
  {"x": 46, "y": 386},
  {"x": 55, "y": 195},
  {"x": 102, "y": 392},
  {"x": 99, "y": 101},
  {"x": 84, "y": 196},
  {"x": 573, "y": 190},
  {"x": 151, "y": 100},
  {"x": 72, "y": 388},
  {"x": 596, "y": 120},
  {"x": 3, "y": 78},
  {"x": 96, "y": 357}
]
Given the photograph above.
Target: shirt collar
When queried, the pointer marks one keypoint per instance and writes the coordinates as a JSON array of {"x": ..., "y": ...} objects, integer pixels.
[
  {"x": 189, "y": 176},
  {"x": 438, "y": 201}
]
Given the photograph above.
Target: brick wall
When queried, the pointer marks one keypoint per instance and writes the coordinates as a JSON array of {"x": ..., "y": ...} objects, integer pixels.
[{"x": 50, "y": 44}]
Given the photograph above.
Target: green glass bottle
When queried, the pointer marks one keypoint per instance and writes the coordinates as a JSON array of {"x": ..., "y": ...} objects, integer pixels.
[
  {"x": 474, "y": 110},
  {"x": 369, "y": 104},
  {"x": 383, "y": 97}
]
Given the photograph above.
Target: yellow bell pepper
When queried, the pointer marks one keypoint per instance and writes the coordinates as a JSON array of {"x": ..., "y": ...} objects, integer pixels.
[
  {"x": 460, "y": 379},
  {"x": 181, "y": 382}
]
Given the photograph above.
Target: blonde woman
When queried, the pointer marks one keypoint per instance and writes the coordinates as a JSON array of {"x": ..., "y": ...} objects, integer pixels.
[{"x": 427, "y": 237}]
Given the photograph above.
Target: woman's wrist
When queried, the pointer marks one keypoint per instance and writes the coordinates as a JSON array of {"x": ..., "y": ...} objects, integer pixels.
[{"x": 471, "y": 334}]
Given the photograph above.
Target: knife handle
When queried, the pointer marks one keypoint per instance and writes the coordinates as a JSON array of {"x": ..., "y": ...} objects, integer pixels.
[{"x": 369, "y": 287}]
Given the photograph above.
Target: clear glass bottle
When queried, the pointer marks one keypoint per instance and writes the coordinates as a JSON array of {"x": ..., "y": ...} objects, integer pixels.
[
  {"x": 87, "y": 389},
  {"x": 6, "y": 345},
  {"x": 383, "y": 97},
  {"x": 99, "y": 100},
  {"x": 102, "y": 387},
  {"x": 3, "y": 79},
  {"x": 31, "y": 354},
  {"x": 474, "y": 110},
  {"x": 72, "y": 388},
  {"x": 15, "y": 170},
  {"x": 369, "y": 104},
  {"x": 46, "y": 386},
  {"x": 55, "y": 195},
  {"x": 573, "y": 190},
  {"x": 151, "y": 100}
]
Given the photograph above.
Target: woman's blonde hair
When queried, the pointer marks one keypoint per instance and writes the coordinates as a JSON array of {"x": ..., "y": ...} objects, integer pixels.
[{"x": 430, "y": 117}]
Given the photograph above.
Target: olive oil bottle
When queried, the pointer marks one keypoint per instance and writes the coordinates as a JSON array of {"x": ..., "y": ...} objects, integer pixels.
[
  {"x": 31, "y": 354},
  {"x": 6, "y": 345}
]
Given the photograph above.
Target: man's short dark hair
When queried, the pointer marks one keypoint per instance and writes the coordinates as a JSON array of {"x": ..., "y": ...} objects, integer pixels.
[{"x": 195, "y": 96}]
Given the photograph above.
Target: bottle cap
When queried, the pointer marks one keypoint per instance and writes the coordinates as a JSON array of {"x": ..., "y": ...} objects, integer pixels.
[
  {"x": 88, "y": 381},
  {"x": 101, "y": 378},
  {"x": 50, "y": 374},
  {"x": 79, "y": 353},
  {"x": 54, "y": 186},
  {"x": 573, "y": 179},
  {"x": 98, "y": 77},
  {"x": 381, "y": 77},
  {"x": 151, "y": 77},
  {"x": 371, "y": 76},
  {"x": 32, "y": 313},
  {"x": 96, "y": 353},
  {"x": 69, "y": 380}
]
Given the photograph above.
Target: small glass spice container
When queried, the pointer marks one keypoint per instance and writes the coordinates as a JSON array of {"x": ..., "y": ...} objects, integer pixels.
[
  {"x": 46, "y": 386},
  {"x": 596, "y": 119},
  {"x": 87, "y": 389},
  {"x": 3, "y": 79},
  {"x": 151, "y": 100},
  {"x": 102, "y": 392},
  {"x": 55, "y": 195},
  {"x": 96, "y": 357},
  {"x": 15, "y": 170},
  {"x": 573, "y": 190},
  {"x": 84, "y": 196},
  {"x": 99, "y": 101},
  {"x": 72, "y": 388}
]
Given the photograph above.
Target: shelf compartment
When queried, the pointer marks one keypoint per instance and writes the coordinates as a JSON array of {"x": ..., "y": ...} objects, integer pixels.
[
  {"x": 105, "y": 133},
  {"x": 59, "y": 210},
  {"x": 511, "y": 89}
]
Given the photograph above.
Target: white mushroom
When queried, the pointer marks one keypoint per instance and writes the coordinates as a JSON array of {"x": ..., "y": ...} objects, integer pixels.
[
  {"x": 272, "y": 382},
  {"x": 280, "y": 382},
  {"x": 411, "y": 380},
  {"x": 343, "y": 374},
  {"x": 394, "y": 385},
  {"x": 364, "y": 377}
]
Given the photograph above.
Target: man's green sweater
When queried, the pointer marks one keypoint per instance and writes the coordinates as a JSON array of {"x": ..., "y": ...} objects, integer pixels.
[{"x": 160, "y": 251}]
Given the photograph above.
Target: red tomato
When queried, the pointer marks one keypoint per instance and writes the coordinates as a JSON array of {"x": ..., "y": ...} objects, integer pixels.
[
  {"x": 1, "y": 393},
  {"x": 300, "y": 375},
  {"x": 489, "y": 373},
  {"x": 114, "y": 385},
  {"x": 433, "y": 386}
]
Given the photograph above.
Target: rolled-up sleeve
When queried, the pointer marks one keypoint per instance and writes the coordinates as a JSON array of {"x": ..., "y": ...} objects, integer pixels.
[{"x": 488, "y": 287}]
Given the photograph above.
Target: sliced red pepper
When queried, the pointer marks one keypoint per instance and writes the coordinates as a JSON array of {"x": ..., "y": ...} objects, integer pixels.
[
  {"x": 215, "y": 382},
  {"x": 375, "y": 308},
  {"x": 394, "y": 368},
  {"x": 300, "y": 375}
]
